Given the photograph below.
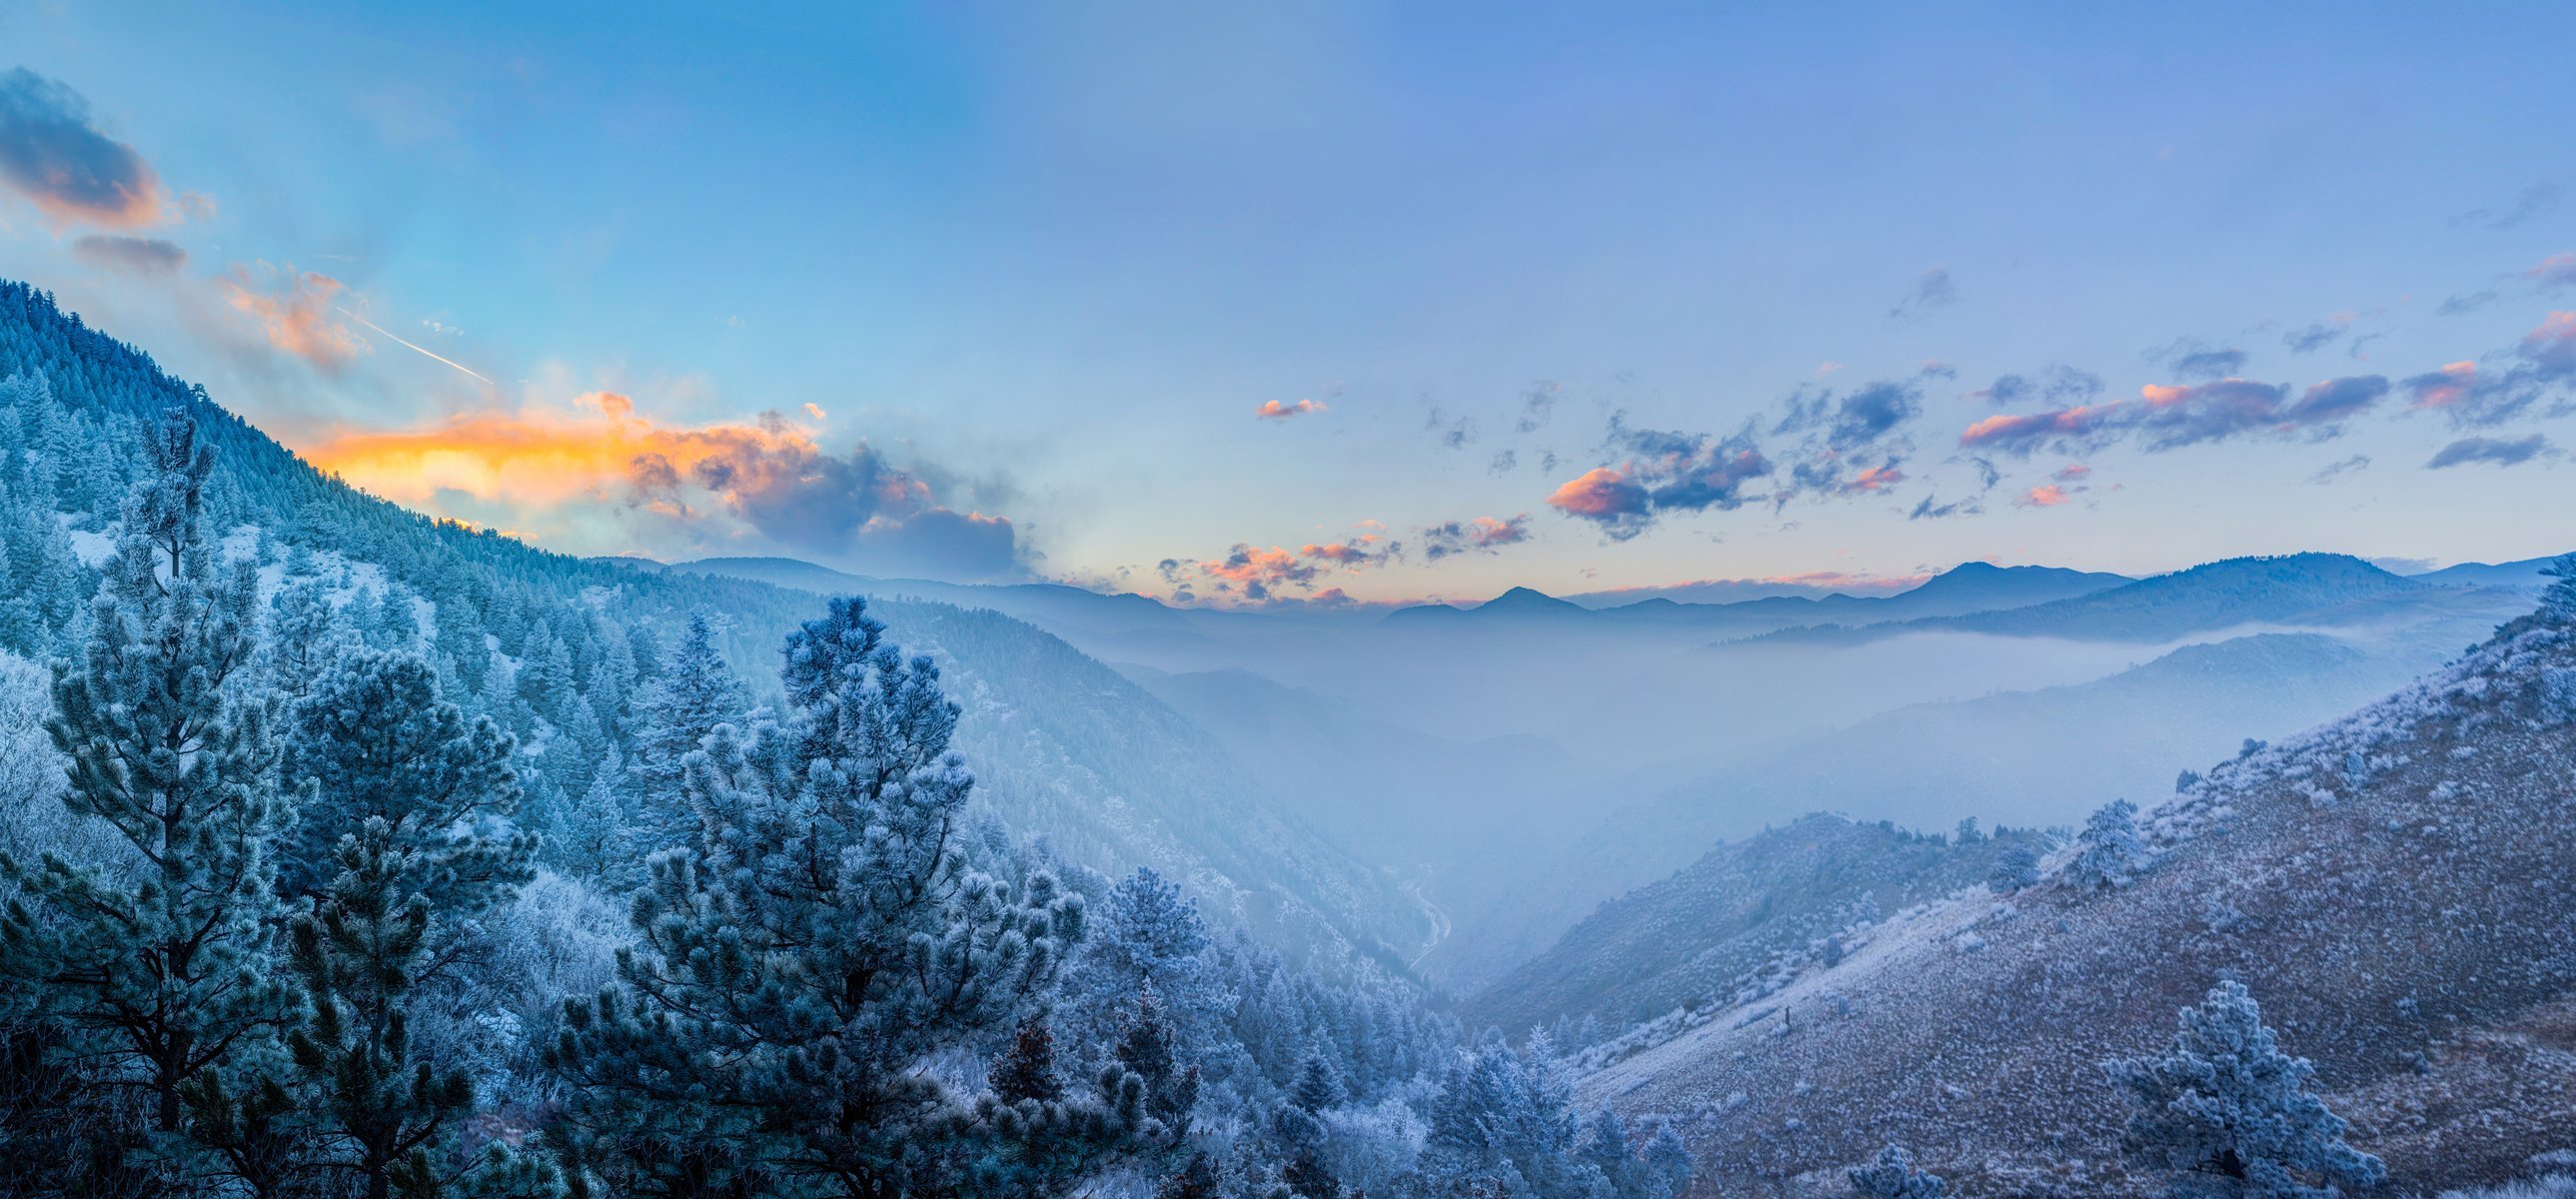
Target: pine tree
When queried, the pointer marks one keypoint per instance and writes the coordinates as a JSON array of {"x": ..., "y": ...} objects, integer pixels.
[
  {"x": 821, "y": 937},
  {"x": 2016, "y": 867},
  {"x": 2558, "y": 599},
  {"x": 1148, "y": 1048},
  {"x": 303, "y": 637},
  {"x": 403, "y": 837},
  {"x": 1027, "y": 1069},
  {"x": 2109, "y": 853},
  {"x": 1894, "y": 1176},
  {"x": 2230, "y": 1114},
  {"x": 165, "y": 960},
  {"x": 1192, "y": 1181},
  {"x": 1315, "y": 1090},
  {"x": 694, "y": 694},
  {"x": 1150, "y": 939},
  {"x": 375, "y": 742}
]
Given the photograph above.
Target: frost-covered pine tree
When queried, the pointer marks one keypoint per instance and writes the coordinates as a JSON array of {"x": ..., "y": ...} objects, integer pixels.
[
  {"x": 2108, "y": 852},
  {"x": 1148, "y": 938},
  {"x": 1894, "y": 1176},
  {"x": 374, "y": 741},
  {"x": 2016, "y": 867},
  {"x": 822, "y": 938},
  {"x": 403, "y": 836},
  {"x": 2230, "y": 1115},
  {"x": 302, "y": 639},
  {"x": 162, "y": 960},
  {"x": 694, "y": 693},
  {"x": 2558, "y": 599}
]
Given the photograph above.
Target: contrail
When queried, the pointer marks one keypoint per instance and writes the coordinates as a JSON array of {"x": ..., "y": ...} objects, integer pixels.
[{"x": 390, "y": 333}]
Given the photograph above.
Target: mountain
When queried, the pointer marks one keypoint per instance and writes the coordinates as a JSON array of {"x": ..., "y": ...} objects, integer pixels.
[
  {"x": 1675, "y": 942},
  {"x": 2289, "y": 590},
  {"x": 2524, "y": 574},
  {"x": 1520, "y": 605},
  {"x": 1065, "y": 748},
  {"x": 2393, "y": 887},
  {"x": 2034, "y": 757}
]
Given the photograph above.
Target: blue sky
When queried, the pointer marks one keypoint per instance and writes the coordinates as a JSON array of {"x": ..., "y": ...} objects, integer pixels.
[{"x": 1048, "y": 264}]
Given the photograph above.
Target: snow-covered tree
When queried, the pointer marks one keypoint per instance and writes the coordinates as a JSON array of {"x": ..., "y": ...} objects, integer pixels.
[
  {"x": 2108, "y": 852},
  {"x": 2229, "y": 1114},
  {"x": 819, "y": 941},
  {"x": 694, "y": 693},
  {"x": 2015, "y": 868},
  {"x": 162, "y": 958},
  {"x": 1149, "y": 938},
  {"x": 403, "y": 835},
  {"x": 2558, "y": 599},
  {"x": 374, "y": 741},
  {"x": 1894, "y": 1176}
]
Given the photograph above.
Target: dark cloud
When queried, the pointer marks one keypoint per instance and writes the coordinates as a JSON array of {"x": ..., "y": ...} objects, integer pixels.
[
  {"x": 2507, "y": 383},
  {"x": 1503, "y": 462},
  {"x": 2336, "y": 470},
  {"x": 1483, "y": 535},
  {"x": 133, "y": 255},
  {"x": 2316, "y": 336},
  {"x": 2534, "y": 200},
  {"x": 2058, "y": 384},
  {"x": 1932, "y": 289},
  {"x": 2208, "y": 364},
  {"x": 1927, "y": 510},
  {"x": 53, "y": 153},
  {"x": 860, "y": 509},
  {"x": 2166, "y": 418},
  {"x": 2497, "y": 451},
  {"x": 1664, "y": 472}
]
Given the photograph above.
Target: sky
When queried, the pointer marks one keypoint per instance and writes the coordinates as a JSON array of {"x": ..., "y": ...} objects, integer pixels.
[{"x": 1317, "y": 304}]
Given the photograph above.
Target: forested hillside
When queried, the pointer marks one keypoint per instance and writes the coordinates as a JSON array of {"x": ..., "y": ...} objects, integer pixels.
[{"x": 350, "y": 853}]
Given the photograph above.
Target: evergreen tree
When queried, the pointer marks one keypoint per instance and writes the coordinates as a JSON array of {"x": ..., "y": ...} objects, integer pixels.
[
  {"x": 820, "y": 939},
  {"x": 1194, "y": 1180},
  {"x": 303, "y": 637},
  {"x": 2230, "y": 1114},
  {"x": 404, "y": 836},
  {"x": 1150, "y": 939},
  {"x": 695, "y": 692},
  {"x": 1894, "y": 1176},
  {"x": 2558, "y": 599},
  {"x": 164, "y": 960},
  {"x": 375, "y": 742},
  {"x": 2108, "y": 851},
  {"x": 1027, "y": 1069},
  {"x": 2015, "y": 868}
]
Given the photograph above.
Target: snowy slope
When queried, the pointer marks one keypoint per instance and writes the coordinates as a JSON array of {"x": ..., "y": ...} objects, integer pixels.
[{"x": 2398, "y": 888}]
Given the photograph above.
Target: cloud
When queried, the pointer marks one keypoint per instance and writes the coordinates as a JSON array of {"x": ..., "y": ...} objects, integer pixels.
[
  {"x": 132, "y": 255},
  {"x": 767, "y": 480},
  {"x": 1250, "y": 573},
  {"x": 1274, "y": 410},
  {"x": 2508, "y": 383},
  {"x": 1665, "y": 472},
  {"x": 2046, "y": 495},
  {"x": 1932, "y": 289},
  {"x": 2058, "y": 384},
  {"x": 1483, "y": 535},
  {"x": 1537, "y": 405},
  {"x": 1927, "y": 510},
  {"x": 2553, "y": 272},
  {"x": 2336, "y": 470},
  {"x": 2497, "y": 451},
  {"x": 2072, "y": 472},
  {"x": 296, "y": 312},
  {"x": 2169, "y": 417},
  {"x": 2471, "y": 302},
  {"x": 2533, "y": 201},
  {"x": 53, "y": 153},
  {"x": 2315, "y": 336},
  {"x": 2208, "y": 364}
]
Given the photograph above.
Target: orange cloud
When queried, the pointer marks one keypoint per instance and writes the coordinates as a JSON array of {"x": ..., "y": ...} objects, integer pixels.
[
  {"x": 2046, "y": 495},
  {"x": 2445, "y": 387},
  {"x": 541, "y": 456},
  {"x": 1274, "y": 410},
  {"x": 1876, "y": 478},
  {"x": 297, "y": 318},
  {"x": 1601, "y": 493}
]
